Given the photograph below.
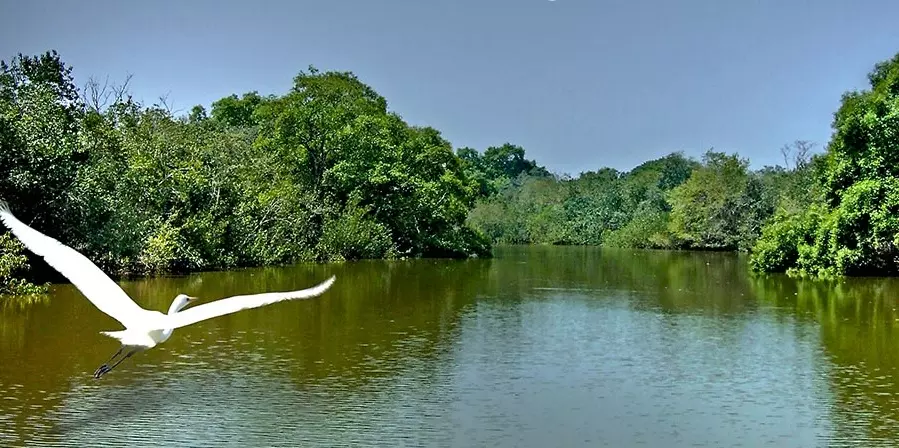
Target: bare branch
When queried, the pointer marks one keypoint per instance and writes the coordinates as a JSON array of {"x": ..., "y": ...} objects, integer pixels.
[
  {"x": 785, "y": 151},
  {"x": 164, "y": 103},
  {"x": 799, "y": 152},
  {"x": 96, "y": 95},
  {"x": 119, "y": 92},
  {"x": 99, "y": 96},
  {"x": 803, "y": 152}
]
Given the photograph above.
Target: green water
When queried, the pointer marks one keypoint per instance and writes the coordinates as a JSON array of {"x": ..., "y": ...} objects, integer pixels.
[{"x": 539, "y": 347}]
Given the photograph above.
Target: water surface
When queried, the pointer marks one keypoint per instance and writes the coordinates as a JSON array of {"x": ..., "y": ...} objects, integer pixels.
[{"x": 541, "y": 346}]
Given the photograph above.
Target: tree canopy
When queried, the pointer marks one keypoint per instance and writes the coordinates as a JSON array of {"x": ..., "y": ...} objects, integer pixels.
[
  {"x": 853, "y": 226},
  {"x": 322, "y": 172},
  {"x": 326, "y": 172}
]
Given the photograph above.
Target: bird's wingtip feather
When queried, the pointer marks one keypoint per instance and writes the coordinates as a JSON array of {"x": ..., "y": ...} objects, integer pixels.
[
  {"x": 323, "y": 286},
  {"x": 5, "y": 213}
]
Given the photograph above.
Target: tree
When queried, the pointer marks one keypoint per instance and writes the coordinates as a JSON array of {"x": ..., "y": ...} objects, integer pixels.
[
  {"x": 508, "y": 161},
  {"x": 321, "y": 172},
  {"x": 497, "y": 167},
  {"x": 40, "y": 151},
  {"x": 334, "y": 136},
  {"x": 854, "y": 229},
  {"x": 601, "y": 207},
  {"x": 13, "y": 262},
  {"x": 237, "y": 111},
  {"x": 720, "y": 207}
]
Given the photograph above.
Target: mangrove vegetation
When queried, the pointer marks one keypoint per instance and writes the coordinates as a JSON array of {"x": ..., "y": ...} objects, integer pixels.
[
  {"x": 323, "y": 172},
  {"x": 326, "y": 172},
  {"x": 820, "y": 214}
]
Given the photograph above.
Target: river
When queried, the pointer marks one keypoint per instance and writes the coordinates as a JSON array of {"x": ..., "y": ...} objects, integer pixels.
[{"x": 538, "y": 347}]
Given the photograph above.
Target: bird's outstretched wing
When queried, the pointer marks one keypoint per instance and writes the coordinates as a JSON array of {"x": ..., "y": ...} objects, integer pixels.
[
  {"x": 104, "y": 293},
  {"x": 237, "y": 303}
]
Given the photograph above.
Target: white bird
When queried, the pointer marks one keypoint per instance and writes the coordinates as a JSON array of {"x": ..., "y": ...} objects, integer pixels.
[{"x": 144, "y": 329}]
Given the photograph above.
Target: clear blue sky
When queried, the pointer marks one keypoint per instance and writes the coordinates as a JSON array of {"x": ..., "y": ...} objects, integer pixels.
[{"x": 579, "y": 84}]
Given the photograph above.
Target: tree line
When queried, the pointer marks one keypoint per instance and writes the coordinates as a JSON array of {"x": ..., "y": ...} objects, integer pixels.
[
  {"x": 828, "y": 214},
  {"x": 322, "y": 172},
  {"x": 673, "y": 202},
  {"x": 326, "y": 172}
]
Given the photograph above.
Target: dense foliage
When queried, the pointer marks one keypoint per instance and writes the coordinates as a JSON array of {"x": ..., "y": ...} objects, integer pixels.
[
  {"x": 12, "y": 264},
  {"x": 326, "y": 172},
  {"x": 322, "y": 172},
  {"x": 829, "y": 214},
  {"x": 853, "y": 229},
  {"x": 673, "y": 202}
]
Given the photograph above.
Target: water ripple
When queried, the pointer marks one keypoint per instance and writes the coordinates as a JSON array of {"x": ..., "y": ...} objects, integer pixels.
[{"x": 517, "y": 360}]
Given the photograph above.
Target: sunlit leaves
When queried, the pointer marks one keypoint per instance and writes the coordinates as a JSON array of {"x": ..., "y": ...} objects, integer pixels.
[
  {"x": 322, "y": 172},
  {"x": 856, "y": 230},
  {"x": 599, "y": 207},
  {"x": 334, "y": 135},
  {"x": 12, "y": 264},
  {"x": 40, "y": 153},
  {"x": 721, "y": 205}
]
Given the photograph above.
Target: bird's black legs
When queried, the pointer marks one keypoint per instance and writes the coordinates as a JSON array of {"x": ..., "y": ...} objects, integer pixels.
[
  {"x": 116, "y": 354},
  {"x": 105, "y": 365},
  {"x": 104, "y": 369}
]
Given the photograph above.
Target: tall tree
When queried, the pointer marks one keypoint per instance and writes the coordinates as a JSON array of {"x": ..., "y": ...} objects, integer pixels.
[
  {"x": 40, "y": 152},
  {"x": 855, "y": 231}
]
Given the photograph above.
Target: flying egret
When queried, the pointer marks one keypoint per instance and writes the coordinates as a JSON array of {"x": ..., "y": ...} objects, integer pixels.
[{"x": 144, "y": 329}]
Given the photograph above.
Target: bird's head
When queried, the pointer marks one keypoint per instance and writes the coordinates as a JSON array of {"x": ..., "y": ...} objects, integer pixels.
[{"x": 181, "y": 301}]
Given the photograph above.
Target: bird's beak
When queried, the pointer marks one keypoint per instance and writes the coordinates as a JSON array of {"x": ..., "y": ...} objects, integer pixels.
[{"x": 191, "y": 298}]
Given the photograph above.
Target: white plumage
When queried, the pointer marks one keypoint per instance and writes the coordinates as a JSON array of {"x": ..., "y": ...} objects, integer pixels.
[{"x": 144, "y": 329}]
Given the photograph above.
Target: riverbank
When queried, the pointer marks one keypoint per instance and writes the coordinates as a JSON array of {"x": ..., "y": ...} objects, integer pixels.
[{"x": 324, "y": 172}]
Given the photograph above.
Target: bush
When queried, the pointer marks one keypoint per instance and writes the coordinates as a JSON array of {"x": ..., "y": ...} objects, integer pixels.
[
  {"x": 778, "y": 248},
  {"x": 353, "y": 235},
  {"x": 645, "y": 231},
  {"x": 13, "y": 262}
]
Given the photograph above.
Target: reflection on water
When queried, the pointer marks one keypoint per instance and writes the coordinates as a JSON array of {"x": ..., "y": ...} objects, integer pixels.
[
  {"x": 857, "y": 323},
  {"x": 541, "y": 346}
]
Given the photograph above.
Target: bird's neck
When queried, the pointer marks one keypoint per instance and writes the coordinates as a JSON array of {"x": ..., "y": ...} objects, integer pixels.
[{"x": 174, "y": 309}]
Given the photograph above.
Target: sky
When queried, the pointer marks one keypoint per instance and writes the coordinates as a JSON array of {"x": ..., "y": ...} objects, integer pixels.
[{"x": 580, "y": 84}]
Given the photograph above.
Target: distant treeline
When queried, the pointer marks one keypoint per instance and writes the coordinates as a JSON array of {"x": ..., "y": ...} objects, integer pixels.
[
  {"x": 326, "y": 172},
  {"x": 834, "y": 213},
  {"x": 674, "y": 202}
]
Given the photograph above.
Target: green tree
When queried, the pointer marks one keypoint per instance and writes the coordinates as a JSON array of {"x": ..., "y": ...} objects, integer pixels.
[
  {"x": 508, "y": 161},
  {"x": 498, "y": 167},
  {"x": 721, "y": 206},
  {"x": 644, "y": 192},
  {"x": 237, "y": 111},
  {"x": 855, "y": 229},
  {"x": 594, "y": 205},
  {"x": 334, "y": 136},
  {"x": 13, "y": 263},
  {"x": 323, "y": 172},
  {"x": 602, "y": 207},
  {"x": 40, "y": 153}
]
